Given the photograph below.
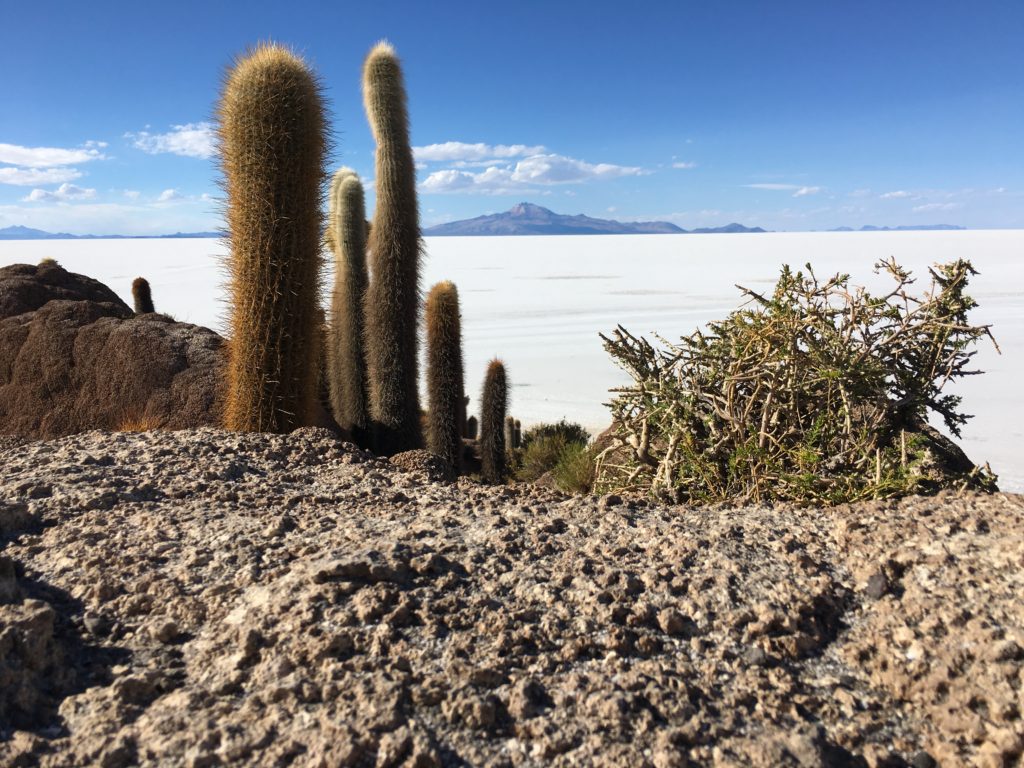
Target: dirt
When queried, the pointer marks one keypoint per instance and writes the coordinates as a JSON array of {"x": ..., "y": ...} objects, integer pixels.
[{"x": 202, "y": 598}]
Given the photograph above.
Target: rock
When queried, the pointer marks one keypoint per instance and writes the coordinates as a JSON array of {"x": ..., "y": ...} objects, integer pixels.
[
  {"x": 922, "y": 759},
  {"x": 424, "y": 462},
  {"x": 162, "y": 616},
  {"x": 877, "y": 586},
  {"x": 671, "y": 622},
  {"x": 165, "y": 631},
  {"x": 26, "y": 288},
  {"x": 15, "y": 517},
  {"x": 756, "y": 657},
  {"x": 9, "y": 592},
  {"x": 75, "y": 358},
  {"x": 528, "y": 698}
]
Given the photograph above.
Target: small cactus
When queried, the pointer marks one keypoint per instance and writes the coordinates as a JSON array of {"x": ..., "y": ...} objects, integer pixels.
[
  {"x": 392, "y": 300},
  {"x": 346, "y": 360},
  {"x": 272, "y": 135},
  {"x": 141, "y": 296},
  {"x": 518, "y": 439},
  {"x": 510, "y": 433},
  {"x": 444, "y": 375},
  {"x": 471, "y": 428},
  {"x": 492, "y": 423}
]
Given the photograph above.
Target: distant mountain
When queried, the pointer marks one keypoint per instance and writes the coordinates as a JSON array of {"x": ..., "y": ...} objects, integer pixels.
[
  {"x": 27, "y": 233},
  {"x": 728, "y": 229},
  {"x": 906, "y": 228},
  {"x": 529, "y": 219}
]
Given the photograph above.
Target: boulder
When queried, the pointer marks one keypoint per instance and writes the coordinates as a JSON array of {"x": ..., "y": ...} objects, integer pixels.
[{"x": 74, "y": 357}]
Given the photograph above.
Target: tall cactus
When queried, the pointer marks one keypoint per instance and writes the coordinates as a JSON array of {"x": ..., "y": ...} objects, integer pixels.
[
  {"x": 142, "y": 296},
  {"x": 272, "y": 135},
  {"x": 346, "y": 359},
  {"x": 471, "y": 428},
  {"x": 392, "y": 300},
  {"x": 493, "y": 403},
  {"x": 444, "y": 375}
]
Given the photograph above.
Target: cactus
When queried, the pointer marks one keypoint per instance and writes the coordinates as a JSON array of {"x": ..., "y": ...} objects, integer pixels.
[
  {"x": 392, "y": 300},
  {"x": 492, "y": 423},
  {"x": 141, "y": 296},
  {"x": 346, "y": 358},
  {"x": 272, "y": 147},
  {"x": 444, "y": 375},
  {"x": 471, "y": 428},
  {"x": 510, "y": 434},
  {"x": 517, "y": 441}
]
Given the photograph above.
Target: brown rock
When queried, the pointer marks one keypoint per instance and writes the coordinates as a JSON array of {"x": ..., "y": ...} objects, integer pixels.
[{"x": 74, "y": 357}]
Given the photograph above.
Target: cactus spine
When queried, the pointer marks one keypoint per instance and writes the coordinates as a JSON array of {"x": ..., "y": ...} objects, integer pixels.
[
  {"x": 272, "y": 147},
  {"x": 392, "y": 300},
  {"x": 444, "y": 375},
  {"x": 346, "y": 358},
  {"x": 493, "y": 403},
  {"x": 141, "y": 296}
]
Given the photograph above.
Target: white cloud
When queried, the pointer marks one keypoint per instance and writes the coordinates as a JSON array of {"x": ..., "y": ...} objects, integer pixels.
[
  {"x": 132, "y": 194},
  {"x": 169, "y": 195},
  {"x": 774, "y": 187},
  {"x": 684, "y": 166},
  {"x": 458, "y": 151},
  {"x": 30, "y": 177},
  {"x": 49, "y": 157},
  {"x": 189, "y": 140},
  {"x": 935, "y": 207},
  {"x": 861, "y": 193},
  {"x": 557, "y": 169},
  {"x": 64, "y": 193},
  {"x": 796, "y": 189},
  {"x": 528, "y": 173},
  {"x": 898, "y": 194}
]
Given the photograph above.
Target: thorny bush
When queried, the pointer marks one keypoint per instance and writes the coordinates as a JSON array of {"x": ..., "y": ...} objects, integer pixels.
[{"x": 818, "y": 393}]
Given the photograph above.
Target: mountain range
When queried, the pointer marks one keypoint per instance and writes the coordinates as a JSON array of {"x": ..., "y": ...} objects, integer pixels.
[
  {"x": 530, "y": 219},
  {"x": 906, "y": 228},
  {"x": 522, "y": 219},
  {"x": 27, "y": 233}
]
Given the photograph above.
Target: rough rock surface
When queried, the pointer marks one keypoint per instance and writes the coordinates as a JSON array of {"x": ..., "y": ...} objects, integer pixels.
[
  {"x": 203, "y": 598},
  {"x": 74, "y": 357}
]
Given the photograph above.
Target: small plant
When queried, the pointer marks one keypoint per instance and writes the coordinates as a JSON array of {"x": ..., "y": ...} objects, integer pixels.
[
  {"x": 471, "y": 428},
  {"x": 819, "y": 392},
  {"x": 569, "y": 431},
  {"x": 141, "y": 296},
  {"x": 545, "y": 446},
  {"x": 574, "y": 471}
]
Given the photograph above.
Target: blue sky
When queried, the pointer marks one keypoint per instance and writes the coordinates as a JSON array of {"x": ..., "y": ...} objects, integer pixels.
[{"x": 787, "y": 115}]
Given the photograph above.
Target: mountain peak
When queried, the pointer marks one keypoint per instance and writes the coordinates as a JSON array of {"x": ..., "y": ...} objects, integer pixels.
[
  {"x": 529, "y": 219},
  {"x": 530, "y": 209}
]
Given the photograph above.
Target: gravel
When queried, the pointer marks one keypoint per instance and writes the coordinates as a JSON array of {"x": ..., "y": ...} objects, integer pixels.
[{"x": 202, "y": 598}]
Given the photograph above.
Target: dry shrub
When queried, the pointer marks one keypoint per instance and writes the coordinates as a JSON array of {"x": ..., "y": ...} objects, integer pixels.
[
  {"x": 818, "y": 392},
  {"x": 139, "y": 424}
]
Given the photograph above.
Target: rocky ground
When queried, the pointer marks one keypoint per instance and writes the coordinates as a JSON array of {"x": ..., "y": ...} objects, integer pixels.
[{"x": 202, "y": 598}]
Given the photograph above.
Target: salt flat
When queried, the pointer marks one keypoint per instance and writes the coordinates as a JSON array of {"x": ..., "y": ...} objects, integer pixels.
[{"x": 539, "y": 303}]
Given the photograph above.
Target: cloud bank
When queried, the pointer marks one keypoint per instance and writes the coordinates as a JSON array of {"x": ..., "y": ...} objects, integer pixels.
[
  {"x": 533, "y": 168},
  {"x": 189, "y": 140},
  {"x": 32, "y": 166},
  {"x": 63, "y": 193}
]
